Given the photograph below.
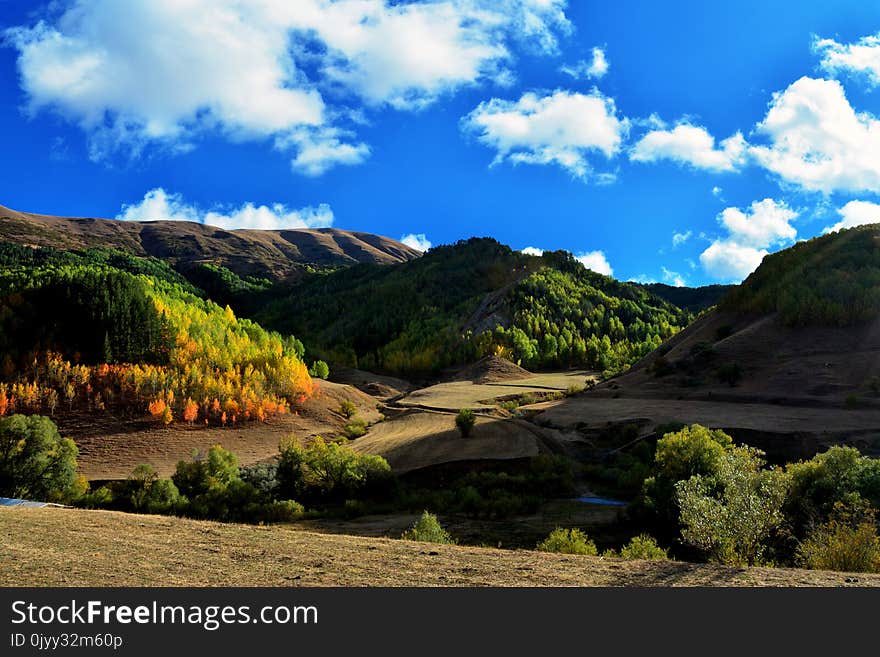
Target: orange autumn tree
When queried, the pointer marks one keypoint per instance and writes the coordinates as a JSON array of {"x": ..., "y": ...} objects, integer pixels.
[{"x": 190, "y": 411}]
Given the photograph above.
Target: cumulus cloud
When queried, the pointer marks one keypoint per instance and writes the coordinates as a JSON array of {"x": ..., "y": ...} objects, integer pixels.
[
  {"x": 673, "y": 277},
  {"x": 680, "y": 238},
  {"x": 861, "y": 57},
  {"x": 856, "y": 213},
  {"x": 532, "y": 251},
  {"x": 595, "y": 68},
  {"x": 818, "y": 141},
  {"x": 417, "y": 241},
  {"x": 763, "y": 225},
  {"x": 561, "y": 128},
  {"x": 159, "y": 205},
  {"x": 596, "y": 261},
  {"x": 142, "y": 73},
  {"x": 717, "y": 191},
  {"x": 728, "y": 261},
  {"x": 691, "y": 145}
]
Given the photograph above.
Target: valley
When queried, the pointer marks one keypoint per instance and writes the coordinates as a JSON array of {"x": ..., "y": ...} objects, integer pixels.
[{"x": 339, "y": 383}]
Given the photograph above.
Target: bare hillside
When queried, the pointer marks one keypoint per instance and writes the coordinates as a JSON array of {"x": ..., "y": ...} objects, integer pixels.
[
  {"x": 66, "y": 547},
  {"x": 271, "y": 253}
]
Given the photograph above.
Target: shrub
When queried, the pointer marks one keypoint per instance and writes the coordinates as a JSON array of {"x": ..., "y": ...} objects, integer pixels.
[
  {"x": 36, "y": 462},
  {"x": 830, "y": 477},
  {"x": 355, "y": 428},
  {"x": 680, "y": 455},
  {"x": 327, "y": 471},
  {"x": 319, "y": 369},
  {"x": 643, "y": 547},
  {"x": 731, "y": 515},
  {"x": 574, "y": 389},
  {"x": 146, "y": 492},
  {"x": 465, "y": 421},
  {"x": 847, "y": 542},
  {"x": 427, "y": 529},
  {"x": 347, "y": 408},
  {"x": 568, "y": 541},
  {"x": 731, "y": 373},
  {"x": 263, "y": 477}
]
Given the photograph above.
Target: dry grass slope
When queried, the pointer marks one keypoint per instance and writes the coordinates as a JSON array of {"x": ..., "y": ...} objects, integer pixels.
[{"x": 64, "y": 547}]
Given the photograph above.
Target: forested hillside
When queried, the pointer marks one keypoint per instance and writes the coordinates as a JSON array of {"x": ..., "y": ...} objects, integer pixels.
[
  {"x": 99, "y": 329},
  {"x": 460, "y": 302},
  {"x": 832, "y": 280}
]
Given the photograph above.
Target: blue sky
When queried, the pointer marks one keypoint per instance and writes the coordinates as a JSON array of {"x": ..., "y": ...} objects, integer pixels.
[{"x": 602, "y": 128}]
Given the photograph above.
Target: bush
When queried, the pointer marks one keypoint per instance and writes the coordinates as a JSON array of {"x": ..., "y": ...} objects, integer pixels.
[
  {"x": 325, "y": 472},
  {"x": 574, "y": 389},
  {"x": 465, "y": 421},
  {"x": 347, "y": 408},
  {"x": 848, "y": 542},
  {"x": 732, "y": 514},
  {"x": 729, "y": 374},
  {"x": 355, "y": 428},
  {"x": 146, "y": 493},
  {"x": 568, "y": 541},
  {"x": 36, "y": 463},
  {"x": 319, "y": 369},
  {"x": 427, "y": 529},
  {"x": 643, "y": 547},
  {"x": 680, "y": 455}
]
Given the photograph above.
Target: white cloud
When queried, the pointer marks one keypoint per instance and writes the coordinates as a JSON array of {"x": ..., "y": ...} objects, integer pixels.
[
  {"x": 673, "y": 277},
  {"x": 158, "y": 205},
  {"x": 143, "y": 73},
  {"x": 728, "y": 261},
  {"x": 321, "y": 150},
  {"x": 818, "y": 141},
  {"x": 407, "y": 55},
  {"x": 417, "y": 241},
  {"x": 856, "y": 213},
  {"x": 561, "y": 128},
  {"x": 532, "y": 251},
  {"x": 861, "y": 57},
  {"x": 766, "y": 223},
  {"x": 692, "y": 145},
  {"x": 680, "y": 238},
  {"x": 596, "y": 261},
  {"x": 717, "y": 191},
  {"x": 763, "y": 225},
  {"x": 596, "y": 68}
]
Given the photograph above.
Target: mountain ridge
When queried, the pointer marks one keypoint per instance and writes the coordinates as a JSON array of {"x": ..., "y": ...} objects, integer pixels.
[{"x": 273, "y": 254}]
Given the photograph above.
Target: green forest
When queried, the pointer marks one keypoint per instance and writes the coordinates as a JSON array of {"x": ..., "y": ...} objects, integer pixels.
[
  {"x": 460, "y": 302},
  {"x": 830, "y": 280}
]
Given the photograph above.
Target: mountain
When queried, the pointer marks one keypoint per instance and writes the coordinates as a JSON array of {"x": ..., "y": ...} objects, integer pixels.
[
  {"x": 804, "y": 327},
  {"x": 271, "y": 254},
  {"x": 460, "y": 302},
  {"x": 694, "y": 299},
  {"x": 789, "y": 361}
]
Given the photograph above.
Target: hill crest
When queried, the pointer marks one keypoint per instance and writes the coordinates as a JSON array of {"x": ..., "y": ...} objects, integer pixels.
[{"x": 273, "y": 254}]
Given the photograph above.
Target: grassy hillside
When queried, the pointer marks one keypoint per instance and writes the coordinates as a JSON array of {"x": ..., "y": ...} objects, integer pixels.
[
  {"x": 66, "y": 547},
  {"x": 460, "y": 302}
]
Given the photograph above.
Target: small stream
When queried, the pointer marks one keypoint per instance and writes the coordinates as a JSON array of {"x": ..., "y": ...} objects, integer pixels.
[{"x": 589, "y": 499}]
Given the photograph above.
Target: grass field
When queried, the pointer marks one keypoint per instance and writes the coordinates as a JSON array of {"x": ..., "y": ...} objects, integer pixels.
[{"x": 66, "y": 547}]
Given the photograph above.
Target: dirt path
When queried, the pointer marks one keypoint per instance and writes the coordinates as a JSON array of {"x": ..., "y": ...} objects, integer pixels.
[{"x": 66, "y": 547}]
